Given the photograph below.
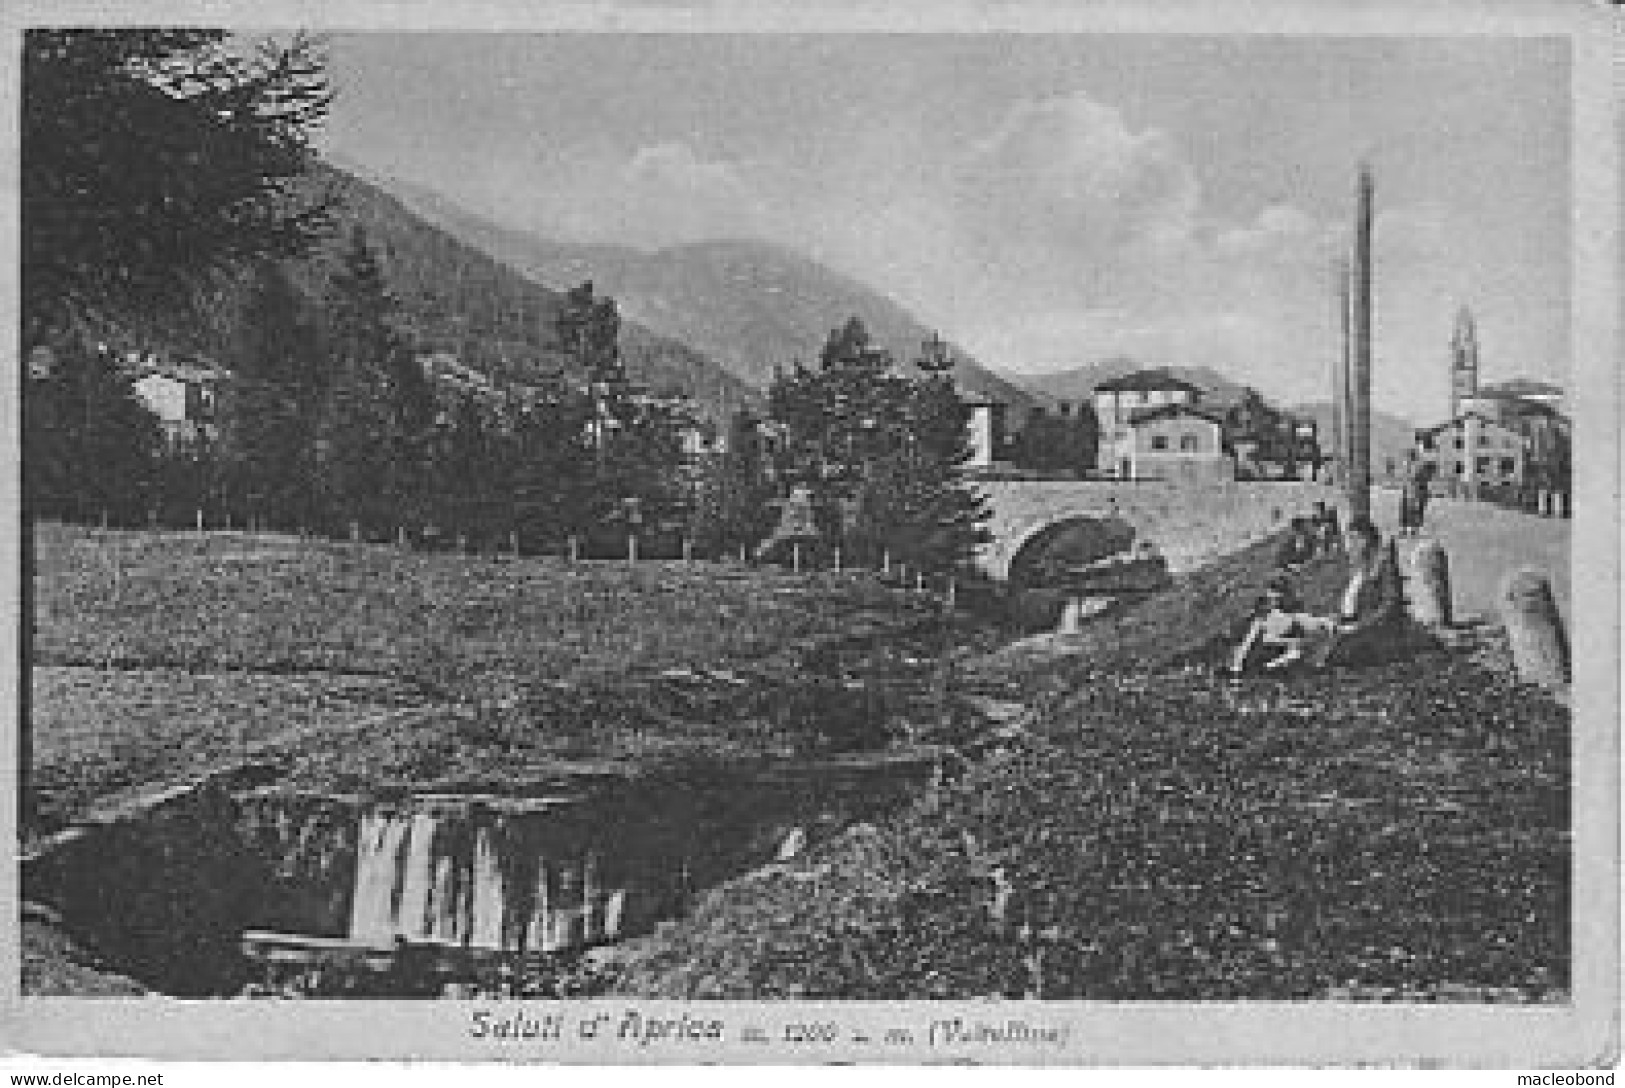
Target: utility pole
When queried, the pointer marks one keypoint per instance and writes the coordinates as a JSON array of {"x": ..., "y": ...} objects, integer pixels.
[
  {"x": 1340, "y": 373},
  {"x": 1359, "y": 419}
]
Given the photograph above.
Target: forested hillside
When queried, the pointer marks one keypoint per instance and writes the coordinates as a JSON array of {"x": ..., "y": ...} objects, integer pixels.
[
  {"x": 750, "y": 305},
  {"x": 451, "y": 298}
]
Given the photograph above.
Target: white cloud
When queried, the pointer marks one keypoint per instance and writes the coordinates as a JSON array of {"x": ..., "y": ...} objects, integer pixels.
[
  {"x": 674, "y": 195},
  {"x": 1064, "y": 235},
  {"x": 1069, "y": 174}
]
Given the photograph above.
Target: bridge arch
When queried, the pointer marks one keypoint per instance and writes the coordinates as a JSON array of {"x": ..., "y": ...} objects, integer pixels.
[
  {"x": 1188, "y": 525},
  {"x": 1064, "y": 540}
]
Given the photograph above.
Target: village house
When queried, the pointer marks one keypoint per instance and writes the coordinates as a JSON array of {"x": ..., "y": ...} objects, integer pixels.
[
  {"x": 1180, "y": 443},
  {"x": 1291, "y": 452},
  {"x": 1139, "y": 439},
  {"x": 986, "y": 426},
  {"x": 184, "y": 395},
  {"x": 1119, "y": 400},
  {"x": 1474, "y": 455}
]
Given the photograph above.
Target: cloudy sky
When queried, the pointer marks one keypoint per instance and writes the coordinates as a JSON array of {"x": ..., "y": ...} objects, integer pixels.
[{"x": 1046, "y": 200}]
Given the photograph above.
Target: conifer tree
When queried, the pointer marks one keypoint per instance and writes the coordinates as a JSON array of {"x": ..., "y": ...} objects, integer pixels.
[
  {"x": 280, "y": 378},
  {"x": 153, "y": 158},
  {"x": 380, "y": 407},
  {"x": 550, "y": 471},
  {"x": 638, "y": 456},
  {"x": 91, "y": 446},
  {"x": 886, "y": 448}
]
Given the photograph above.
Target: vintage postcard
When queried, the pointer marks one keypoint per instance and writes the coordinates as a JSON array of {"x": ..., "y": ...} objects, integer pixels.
[{"x": 632, "y": 533}]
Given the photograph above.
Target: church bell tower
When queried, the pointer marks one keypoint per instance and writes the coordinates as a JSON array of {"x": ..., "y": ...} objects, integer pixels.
[{"x": 1463, "y": 363}]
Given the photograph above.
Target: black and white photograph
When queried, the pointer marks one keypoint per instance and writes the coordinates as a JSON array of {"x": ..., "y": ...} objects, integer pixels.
[{"x": 641, "y": 533}]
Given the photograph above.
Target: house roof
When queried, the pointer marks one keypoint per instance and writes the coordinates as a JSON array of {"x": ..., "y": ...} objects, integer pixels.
[
  {"x": 1509, "y": 406},
  {"x": 1168, "y": 411},
  {"x": 193, "y": 373},
  {"x": 1145, "y": 381},
  {"x": 1521, "y": 387},
  {"x": 1445, "y": 426}
]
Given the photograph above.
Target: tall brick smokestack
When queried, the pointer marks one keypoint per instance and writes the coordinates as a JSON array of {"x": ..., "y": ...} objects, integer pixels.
[{"x": 1359, "y": 417}]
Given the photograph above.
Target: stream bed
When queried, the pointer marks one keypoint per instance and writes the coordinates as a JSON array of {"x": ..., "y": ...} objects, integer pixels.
[
  {"x": 225, "y": 892},
  {"x": 268, "y": 884}
]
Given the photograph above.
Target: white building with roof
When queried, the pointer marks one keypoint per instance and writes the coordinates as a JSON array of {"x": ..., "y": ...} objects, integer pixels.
[
  {"x": 183, "y": 394},
  {"x": 1118, "y": 400}
]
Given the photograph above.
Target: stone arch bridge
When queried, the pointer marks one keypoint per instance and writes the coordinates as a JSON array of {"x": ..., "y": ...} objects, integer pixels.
[{"x": 1189, "y": 525}]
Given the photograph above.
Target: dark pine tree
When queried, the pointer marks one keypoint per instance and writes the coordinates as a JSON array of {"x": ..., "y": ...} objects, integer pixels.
[
  {"x": 916, "y": 502},
  {"x": 281, "y": 378},
  {"x": 154, "y": 158},
  {"x": 731, "y": 507},
  {"x": 550, "y": 466},
  {"x": 380, "y": 407},
  {"x": 92, "y": 449}
]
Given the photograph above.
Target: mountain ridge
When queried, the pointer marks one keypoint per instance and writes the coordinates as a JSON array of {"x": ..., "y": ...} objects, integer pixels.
[
  {"x": 750, "y": 305},
  {"x": 455, "y": 297}
]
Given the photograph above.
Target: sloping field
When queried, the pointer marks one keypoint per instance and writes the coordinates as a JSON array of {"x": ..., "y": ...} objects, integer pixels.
[
  {"x": 162, "y": 656},
  {"x": 1399, "y": 832},
  {"x": 103, "y": 737},
  {"x": 1198, "y": 618},
  {"x": 457, "y": 625}
]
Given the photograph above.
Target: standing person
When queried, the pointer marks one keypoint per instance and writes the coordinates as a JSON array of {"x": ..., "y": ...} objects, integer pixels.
[
  {"x": 1407, "y": 501},
  {"x": 1300, "y": 545},
  {"x": 1413, "y": 500},
  {"x": 1327, "y": 531}
]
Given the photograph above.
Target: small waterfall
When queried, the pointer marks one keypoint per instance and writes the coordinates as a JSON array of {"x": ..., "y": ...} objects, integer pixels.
[
  {"x": 485, "y": 899},
  {"x": 380, "y": 848},
  {"x": 447, "y": 910},
  {"x": 416, "y": 878},
  {"x": 538, "y": 936},
  {"x": 443, "y": 877}
]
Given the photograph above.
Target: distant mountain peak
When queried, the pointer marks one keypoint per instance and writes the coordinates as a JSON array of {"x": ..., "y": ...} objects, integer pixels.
[{"x": 751, "y": 305}]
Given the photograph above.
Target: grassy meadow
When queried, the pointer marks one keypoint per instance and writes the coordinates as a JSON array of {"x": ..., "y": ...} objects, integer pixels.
[
  {"x": 158, "y": 655},
  {"x": 452, "y": 624}
]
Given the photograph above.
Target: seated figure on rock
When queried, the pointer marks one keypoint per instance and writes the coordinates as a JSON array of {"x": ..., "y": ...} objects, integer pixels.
[
  {"x": 1281, "y": 634},
  {"x": 1369, "y": 627}
]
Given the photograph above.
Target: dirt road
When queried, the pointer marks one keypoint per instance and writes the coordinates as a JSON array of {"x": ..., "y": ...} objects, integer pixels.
[{"x": 1484, "y": 542}]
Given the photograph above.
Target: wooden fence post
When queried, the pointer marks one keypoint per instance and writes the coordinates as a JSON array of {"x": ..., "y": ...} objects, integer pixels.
[{"x": 1540, "y": 650}]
